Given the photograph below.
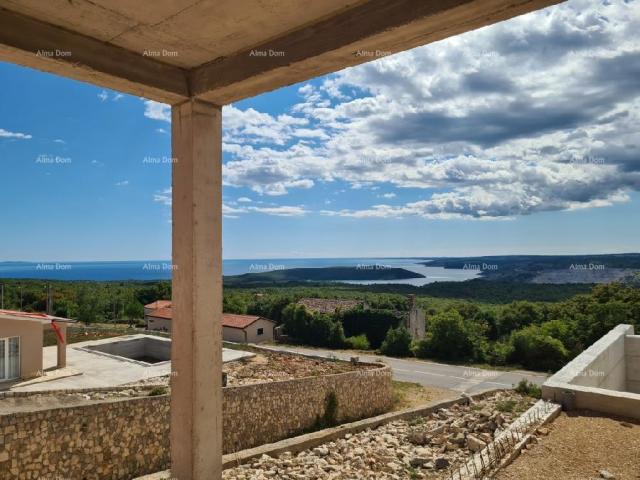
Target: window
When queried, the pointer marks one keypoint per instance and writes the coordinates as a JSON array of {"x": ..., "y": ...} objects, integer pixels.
[
  {"x": 9, "y": 358},
  {"x": 260, "y": 331}
]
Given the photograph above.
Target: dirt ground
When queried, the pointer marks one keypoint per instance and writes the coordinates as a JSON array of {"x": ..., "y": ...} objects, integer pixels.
[
  {"x": 578, "y": 447},
  {"x": 409, "y": 395}
]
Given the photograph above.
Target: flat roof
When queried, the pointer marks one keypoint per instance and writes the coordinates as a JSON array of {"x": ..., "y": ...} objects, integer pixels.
[
  {"x": 31, "y": 316},
  {"x": 222, "y": 51}
]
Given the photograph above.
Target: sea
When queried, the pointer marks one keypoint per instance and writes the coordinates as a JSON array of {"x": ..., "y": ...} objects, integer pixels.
[{"x": 162, "y": 269}]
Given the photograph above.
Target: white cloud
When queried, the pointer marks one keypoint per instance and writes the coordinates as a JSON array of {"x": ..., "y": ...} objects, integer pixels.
[
  {"x": 7, "y": 134},
  {"x": 388, "y": 195},
  {"x": 538, "y": 113},
  {"x": 117, "y": 96},
  {"x": 244, "y": 200},
  {"x": 280, "y": 211},
  {"x": 58, "y": 140},
  {"x": 122, "y": 183},
  {"x": 163, "y": 197},
  {"x": 157, "y": 111},
  {"x": 103, "y": 95}
]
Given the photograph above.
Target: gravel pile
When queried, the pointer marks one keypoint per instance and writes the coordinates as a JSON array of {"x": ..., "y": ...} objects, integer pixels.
[{"x": 426, "y": 447}]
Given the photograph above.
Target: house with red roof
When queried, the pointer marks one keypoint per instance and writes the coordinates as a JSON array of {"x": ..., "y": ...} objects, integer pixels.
[{"x": 235, "y": 328}]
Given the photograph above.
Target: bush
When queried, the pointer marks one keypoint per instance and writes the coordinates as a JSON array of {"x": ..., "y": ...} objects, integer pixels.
[
  {"x": 536, "y": 350},
  {"x": 449, "y": 338},
  {"x": 157, "y": 391},
  {"x": 312, "y": 328},
  {"x": 397, "y": 343},
  {"x": 525, "y": 387},
  {"x": 374, "y": 323},
  {"x": 499, "y": 353},
  {"x": 359, "y": 342}
]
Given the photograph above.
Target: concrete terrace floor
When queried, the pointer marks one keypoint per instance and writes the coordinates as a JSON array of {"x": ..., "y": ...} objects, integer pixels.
[{"x": 104, "y": 371}]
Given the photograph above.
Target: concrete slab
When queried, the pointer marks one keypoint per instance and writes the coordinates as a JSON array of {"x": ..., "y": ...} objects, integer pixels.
[{"x": 100, "y": 370}]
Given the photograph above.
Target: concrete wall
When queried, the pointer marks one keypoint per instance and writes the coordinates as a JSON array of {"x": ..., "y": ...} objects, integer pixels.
[
  {"x": 606, "y": 368},
  {"x": 123, "y": 439},
  {"x": 233, "y": 335},
  {"x": 31, "y": 340},
  {"x": 133, "y": 347},
  {"x": 632, "y": 351},
  {"x": 597, "y": 379},
  {"x": 160, "y": 324},
  {"x": 267, "y": 329}
]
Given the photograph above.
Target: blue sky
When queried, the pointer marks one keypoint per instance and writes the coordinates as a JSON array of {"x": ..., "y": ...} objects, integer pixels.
[{"x": 517, "y": 138}]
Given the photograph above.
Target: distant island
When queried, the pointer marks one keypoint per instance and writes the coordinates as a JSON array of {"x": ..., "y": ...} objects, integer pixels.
[
  {"x": 554, "y": 269},
  {"x": 324, "y": 274}
]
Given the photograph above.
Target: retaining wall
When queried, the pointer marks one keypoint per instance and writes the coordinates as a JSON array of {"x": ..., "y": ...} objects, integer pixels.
[
  {"x": 597, "y": 379},
  {"x": 123, "y": 439},
  {"x": 632, "y": 350}
]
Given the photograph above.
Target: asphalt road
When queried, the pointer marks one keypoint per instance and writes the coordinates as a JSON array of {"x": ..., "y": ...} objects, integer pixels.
[{"x": 431, "y": 374}]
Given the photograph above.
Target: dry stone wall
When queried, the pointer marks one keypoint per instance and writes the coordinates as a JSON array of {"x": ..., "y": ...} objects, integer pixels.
[{"x": 122, "y": 439}]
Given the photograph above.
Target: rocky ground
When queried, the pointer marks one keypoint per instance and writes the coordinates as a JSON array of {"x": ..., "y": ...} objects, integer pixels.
[
  {"x": 423, "y": 448},
  {"x": 268, "y": 366}
]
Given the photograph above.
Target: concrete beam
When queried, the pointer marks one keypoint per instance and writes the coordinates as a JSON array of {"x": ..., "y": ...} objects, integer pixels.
[
  {"x": 196, "y": 349},
  {"x": 351, "y": 37},
  {"x": 31, "y": 43}
]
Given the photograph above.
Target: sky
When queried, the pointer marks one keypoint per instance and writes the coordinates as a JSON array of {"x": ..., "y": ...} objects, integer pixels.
[{"x": 520, "y": 137}]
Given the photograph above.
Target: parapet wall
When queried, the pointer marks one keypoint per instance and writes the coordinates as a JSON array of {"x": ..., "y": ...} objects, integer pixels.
[
  {"x": 123, "y": 439},
  {"x": 632, "y": 350},
  {"x": 599, "y": 378}
]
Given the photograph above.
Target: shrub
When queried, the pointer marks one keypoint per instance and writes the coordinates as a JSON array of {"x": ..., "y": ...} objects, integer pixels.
[
  {"x": 397, "y": 343},
  {"x": 157, "y": 391},
  {"x": 330, "y": 416},
  {"x": 499, "y": 353},
  {"x": 536, "y": 350},
  {"x": 526, "y": 387},
  {"x": 359, "y": 342},
  {"x": 449, "y": 338},
  {"x": 374, "y": 323}
]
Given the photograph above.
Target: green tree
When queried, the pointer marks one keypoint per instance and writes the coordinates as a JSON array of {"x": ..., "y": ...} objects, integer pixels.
[
  {"x": 448, "y": 338},
  {"x": 517, "y": 315},
  {"x": 397, "y": 343},
  {"x": 536, "y": 350}
]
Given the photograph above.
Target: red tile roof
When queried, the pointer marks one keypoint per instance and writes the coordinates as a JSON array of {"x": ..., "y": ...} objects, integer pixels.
[
  {"x": 228, "y": 319},
  {"x": 159, "y": 304},
  {"x": 164, "y": 312},
  {"x": 237, "y": 321}
]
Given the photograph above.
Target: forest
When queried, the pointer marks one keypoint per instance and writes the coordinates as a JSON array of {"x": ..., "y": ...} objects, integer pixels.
[{"x": 528, "y": 332}]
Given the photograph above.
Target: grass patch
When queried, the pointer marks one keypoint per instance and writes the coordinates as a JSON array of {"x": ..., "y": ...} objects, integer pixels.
[
  {"x": 530, "y": 389},
  {"x": 157, "y": 391},
  {"x": 506, "y": 405},
  {"x": 409, "y": 394}
]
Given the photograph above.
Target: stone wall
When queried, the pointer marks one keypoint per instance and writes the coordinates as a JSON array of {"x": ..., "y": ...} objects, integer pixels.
[
  {"x": 267, "y": 412},
  {"x": 122, "y": 439}
]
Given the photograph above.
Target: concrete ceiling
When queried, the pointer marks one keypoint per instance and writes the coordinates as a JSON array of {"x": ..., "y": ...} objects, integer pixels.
[{"x": 170, "y": 50}]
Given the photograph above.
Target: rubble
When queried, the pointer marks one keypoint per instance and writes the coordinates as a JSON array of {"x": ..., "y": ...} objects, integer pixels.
[{"x": 423, "y": 448}]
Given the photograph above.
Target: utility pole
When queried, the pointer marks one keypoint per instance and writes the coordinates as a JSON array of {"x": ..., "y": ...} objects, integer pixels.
[{"x": 49, "y": 300}]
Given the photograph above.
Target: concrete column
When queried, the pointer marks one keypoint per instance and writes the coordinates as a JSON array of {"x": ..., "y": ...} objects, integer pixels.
[
  {"x": 62, "y": 347},
  {"x": 196, "y": 348}
]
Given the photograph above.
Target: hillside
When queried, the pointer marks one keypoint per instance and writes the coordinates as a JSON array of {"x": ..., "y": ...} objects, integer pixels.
[{"x": 325, "y": 274}]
